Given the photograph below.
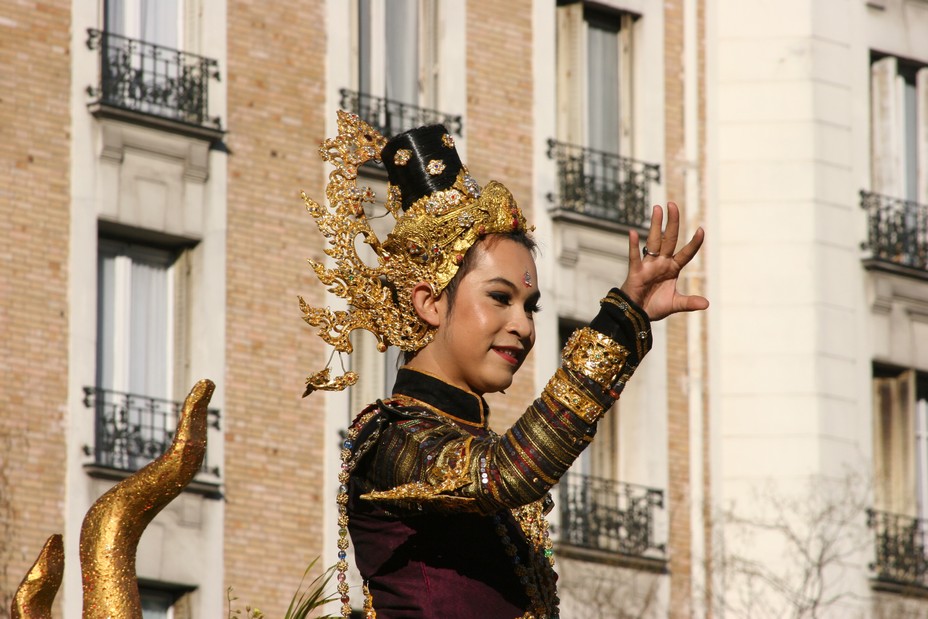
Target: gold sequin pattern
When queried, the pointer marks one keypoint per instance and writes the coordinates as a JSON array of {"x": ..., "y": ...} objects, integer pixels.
[
  {"x": 596, "y": 356},
  {"x": 570, "y": 395},
  {"x": 112, "y": 528},
  {"x": 36, "y": 593}
]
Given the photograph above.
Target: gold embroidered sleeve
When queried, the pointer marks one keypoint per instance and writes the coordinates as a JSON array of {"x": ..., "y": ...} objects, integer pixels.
[{"x": 429, "y": 462}]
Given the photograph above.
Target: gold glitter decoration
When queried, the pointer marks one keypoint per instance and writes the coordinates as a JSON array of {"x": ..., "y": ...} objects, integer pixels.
[
  {"x": 33, "y": 599},
  {"x": 322, "y": 381},
  {"x": 446, "y": 475},
  {"x": 447, "y": 140},
  {"x": 595, "y": 355},
  {"x": 113, "y": 526},
  {"x": 423, "y": 246},
  {"x": 401, "y": 157},
  {"x": 435, "y": 167},
  {"x": 569, "y": 394}
]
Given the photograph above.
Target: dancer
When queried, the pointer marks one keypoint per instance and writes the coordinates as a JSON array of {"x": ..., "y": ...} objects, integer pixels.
[{"x": 446, "y": 516}]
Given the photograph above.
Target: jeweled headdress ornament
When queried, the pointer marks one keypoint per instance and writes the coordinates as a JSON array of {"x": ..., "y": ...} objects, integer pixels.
[{"x": 440, "y": 212}]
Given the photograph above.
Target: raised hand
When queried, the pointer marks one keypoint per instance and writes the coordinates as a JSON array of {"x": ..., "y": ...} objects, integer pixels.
[{"x": 654, "y": 269}]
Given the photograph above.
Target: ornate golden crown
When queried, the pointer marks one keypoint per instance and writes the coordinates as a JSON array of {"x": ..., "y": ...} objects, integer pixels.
[{"x": 427, "y": 244}]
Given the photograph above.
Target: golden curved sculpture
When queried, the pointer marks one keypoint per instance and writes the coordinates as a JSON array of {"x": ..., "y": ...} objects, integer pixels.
[
  {"x": 113, "y": 526},
  {"x": 34, "y": 597}
]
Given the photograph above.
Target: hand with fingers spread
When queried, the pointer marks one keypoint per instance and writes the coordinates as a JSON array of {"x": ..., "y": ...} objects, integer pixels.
[{"x": 654, "y": 269}]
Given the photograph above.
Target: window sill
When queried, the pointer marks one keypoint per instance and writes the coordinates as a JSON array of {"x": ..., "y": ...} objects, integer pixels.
[
  {"x": 568, "y": 216},
  {"x": 200, "y": 132},
  {"x": 897, "y": 588},
  {"x": 644, "y": 564},
  {"x": 887, "y": 266},
  {"x": 208, "y": 489}
]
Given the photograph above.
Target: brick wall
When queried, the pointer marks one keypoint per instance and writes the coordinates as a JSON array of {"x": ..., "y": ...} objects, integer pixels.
[
  {"x": 678, "y": 449},
  {"x": 274, "y": 467},
  {"x": 499, "y": 134},
  {"x": 34, "y": 228},
  {"x": 698, "y": 286}
]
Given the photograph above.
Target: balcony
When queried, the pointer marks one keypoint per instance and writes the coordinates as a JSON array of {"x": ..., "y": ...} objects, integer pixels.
[
  {"x": 610, "y": 517},
  {"x": 602, "y": 187},
  {"x": 391, "y": 118},
  {"x": 132, "y": 430},
  {"x": 900, "y": 550},
  {"x": 152, "y": 84},
  {"x": 897, "y": 234}
]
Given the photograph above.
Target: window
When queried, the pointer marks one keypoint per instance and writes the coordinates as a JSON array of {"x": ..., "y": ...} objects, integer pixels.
[
  {"x": 159, "y": 22},
  {"x": 156, "y": 604},
  {"x": 901, "y": 440},
  {"x": 135, "y": 319},
  {"x": 143, "y": 65},
  {"x": 594, "y": 77},
  {"x": 397, "y": 50},
  {"x": 397, "y": 71},
  {"x": 900, "y": 415},
  {"x": 597, "y": 176},
  {"x": 164, "y": 601},
  {"x": 899, "y": 129},
  {"x": 599, "y": 511},
  {"x": 600, "y": 458},
  {"x": 140, "y": 305}
]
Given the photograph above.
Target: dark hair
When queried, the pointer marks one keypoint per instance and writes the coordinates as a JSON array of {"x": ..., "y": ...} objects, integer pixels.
[{"x": 425, "y": 144}]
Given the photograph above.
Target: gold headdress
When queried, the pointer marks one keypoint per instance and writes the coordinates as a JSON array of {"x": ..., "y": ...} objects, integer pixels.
[{"x": 440, "y": 212}]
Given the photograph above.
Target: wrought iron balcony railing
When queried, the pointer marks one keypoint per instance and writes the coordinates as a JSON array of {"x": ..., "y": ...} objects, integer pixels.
[
  {"x": 900, "y": 548},
  {"x": 897, "y": 230},
  {"x": 132, "y": 430},
  {"x": 602, "y": 514},
  {"x": 603, "y": 185},
  {"x": 391, "y": 117},
  {"x": 152, "y": 79}
]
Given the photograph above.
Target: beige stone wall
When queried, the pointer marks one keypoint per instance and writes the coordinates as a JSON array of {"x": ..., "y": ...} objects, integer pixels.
[
  {"x": 499, "y": 134},
  {"x": 274, "y": 469},
  {"x": 34, "y": 224}
]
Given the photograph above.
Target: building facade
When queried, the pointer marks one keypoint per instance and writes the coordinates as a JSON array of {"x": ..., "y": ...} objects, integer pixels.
[{"x": 770, "y": 456}]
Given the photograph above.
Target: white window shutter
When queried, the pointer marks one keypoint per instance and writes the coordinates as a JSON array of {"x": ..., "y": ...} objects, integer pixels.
[
  {"x": 626, "y": 62},
  {"x": 885, "y": 128},
  {"x": 921, "y": 89},
  {"x": 571, "y": 73}
]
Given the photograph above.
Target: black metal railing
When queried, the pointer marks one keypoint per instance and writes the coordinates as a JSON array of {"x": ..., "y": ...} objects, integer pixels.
[
  {"x": 612, "y": 516},
  {"x": 897, "y": 230},
  {"x": 152, "y": 79},
  {"x": 603, "y": 185},
  {"x": 900, "y": 548},
  {"x": 132, "y": 430},
  {"x": 391, "y": 117}
]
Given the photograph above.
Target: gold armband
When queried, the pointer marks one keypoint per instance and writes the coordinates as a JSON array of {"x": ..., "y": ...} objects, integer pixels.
[
  {"x": 595, "y": 355},
  {"x": 569, "y": 394}
]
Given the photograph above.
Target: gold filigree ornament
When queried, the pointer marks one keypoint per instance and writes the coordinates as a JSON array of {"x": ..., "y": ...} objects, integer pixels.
[{"x": 427, "y": 244}]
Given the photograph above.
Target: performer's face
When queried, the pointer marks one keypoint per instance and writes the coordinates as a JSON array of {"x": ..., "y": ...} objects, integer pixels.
[{"x": 484, "y": 338}]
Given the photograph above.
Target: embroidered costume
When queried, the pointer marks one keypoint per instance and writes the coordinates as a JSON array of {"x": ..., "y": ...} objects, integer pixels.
[{"x": 447, "y": 517}]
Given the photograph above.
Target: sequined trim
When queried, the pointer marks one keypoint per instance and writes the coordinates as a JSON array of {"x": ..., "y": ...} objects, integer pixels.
[
  {"x": 596, "y": 356},
  {"x": 569, "y": 395},
  {"x": 641, "y": 326}
]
